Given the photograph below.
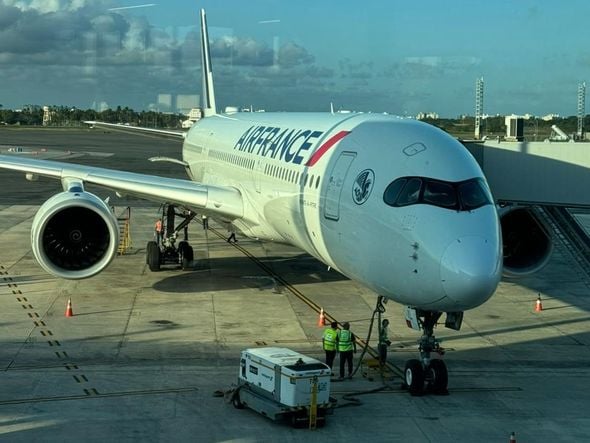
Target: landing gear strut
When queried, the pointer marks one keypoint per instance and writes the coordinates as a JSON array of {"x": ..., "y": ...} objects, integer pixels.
[
  {"x": 426, "y": 374},
  {"x": 165, "y": 250}
]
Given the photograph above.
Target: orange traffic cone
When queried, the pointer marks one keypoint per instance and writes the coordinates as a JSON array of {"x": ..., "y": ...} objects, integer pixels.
[
  {"x": 539, "y": 305},
  {"x": 512, "y": 438},
  {"x": 321, "y": 319},
  {"x": 69, "y": 312}
]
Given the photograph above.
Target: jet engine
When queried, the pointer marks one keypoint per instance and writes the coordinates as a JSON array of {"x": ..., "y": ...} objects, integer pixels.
[
  {"x": 526, "y": 240},
  {"x": 74, "y": 235}
]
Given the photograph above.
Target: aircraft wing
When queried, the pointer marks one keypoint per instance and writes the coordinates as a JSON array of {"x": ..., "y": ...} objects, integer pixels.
[
  {"x": 139, "y": 129},
  {"x": 220, "y": 200}
]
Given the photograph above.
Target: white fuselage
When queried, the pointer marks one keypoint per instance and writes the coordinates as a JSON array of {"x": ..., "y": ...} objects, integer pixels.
[{"x": 317, "y": 181}]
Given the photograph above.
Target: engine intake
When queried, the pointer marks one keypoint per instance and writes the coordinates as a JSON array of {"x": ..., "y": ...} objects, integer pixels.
[
  {"x": 74, "y": 235},
  {"x": 527, "y": 241}
]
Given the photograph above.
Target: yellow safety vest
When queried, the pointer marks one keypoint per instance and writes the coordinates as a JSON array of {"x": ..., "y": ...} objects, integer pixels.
[
  {"x": 330, "y": 336},
  {"x": 344, "y": 340}
]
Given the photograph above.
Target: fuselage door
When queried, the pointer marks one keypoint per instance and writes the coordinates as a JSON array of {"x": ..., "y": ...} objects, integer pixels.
[
  {"x": 257, "y": 171},
  {"x": 335, "y": 183}
]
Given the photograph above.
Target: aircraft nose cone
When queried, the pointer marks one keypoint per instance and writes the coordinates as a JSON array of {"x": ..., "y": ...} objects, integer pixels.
[{"x": 470, "y": 271}]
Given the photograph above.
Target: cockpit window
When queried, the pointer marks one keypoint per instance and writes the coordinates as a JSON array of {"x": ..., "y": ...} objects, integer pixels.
[
  {"x": 460, "y": 196},
  {"x": 410, "y": 193},
  {"x": 440, "y": 194},
  {"x": 392, "y": 191},
  {"x": 473, "y": 194}
]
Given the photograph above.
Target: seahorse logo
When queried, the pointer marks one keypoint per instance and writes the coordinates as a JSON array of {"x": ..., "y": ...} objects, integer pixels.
[{"x": 362, "y": 187}]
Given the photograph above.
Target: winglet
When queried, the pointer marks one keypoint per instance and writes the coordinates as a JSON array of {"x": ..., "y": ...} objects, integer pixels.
[{"x": 208, "y": 99}]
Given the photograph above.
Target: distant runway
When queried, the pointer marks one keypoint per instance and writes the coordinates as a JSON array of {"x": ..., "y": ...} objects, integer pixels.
[
  {"x": 145, "y": 352},
  {"x": 95, "y": 147}
]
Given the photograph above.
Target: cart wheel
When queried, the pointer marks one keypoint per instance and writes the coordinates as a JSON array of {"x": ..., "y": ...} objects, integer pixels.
[
  {"x": 236, "y": 401},
  {"x": 298, "y": 420}
]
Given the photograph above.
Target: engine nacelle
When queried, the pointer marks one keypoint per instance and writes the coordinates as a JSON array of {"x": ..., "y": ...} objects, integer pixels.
[
  {"x": 526, "y": 240},
  {"x": 74, "y": 235}
]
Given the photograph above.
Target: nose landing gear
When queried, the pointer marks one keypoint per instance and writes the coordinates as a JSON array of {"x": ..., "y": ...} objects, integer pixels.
[{"x": 427, "y": 375}]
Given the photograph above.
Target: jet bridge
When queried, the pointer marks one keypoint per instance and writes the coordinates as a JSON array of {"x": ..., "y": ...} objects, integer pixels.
[{"x": 540, "y": 173}]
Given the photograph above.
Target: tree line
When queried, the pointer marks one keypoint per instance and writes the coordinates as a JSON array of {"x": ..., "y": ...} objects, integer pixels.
[
  {"x": 534, "y": 127},
  {"x": 32, "y": 115}
]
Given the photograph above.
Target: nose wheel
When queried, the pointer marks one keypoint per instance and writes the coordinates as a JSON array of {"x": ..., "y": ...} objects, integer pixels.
[{"x": 427, "y": 375}]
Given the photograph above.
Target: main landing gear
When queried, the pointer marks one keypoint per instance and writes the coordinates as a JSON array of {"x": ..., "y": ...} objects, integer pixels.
[
  {"x": 165, "y": 250},
  {"x": 426, "y": 374}
]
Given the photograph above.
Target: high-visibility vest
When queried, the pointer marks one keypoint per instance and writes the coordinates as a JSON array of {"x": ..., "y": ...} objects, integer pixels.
[
  {"x": 344, "y": 340},
  {"x": 330, "y": 336},
  {"x": 159, "y": 226}
]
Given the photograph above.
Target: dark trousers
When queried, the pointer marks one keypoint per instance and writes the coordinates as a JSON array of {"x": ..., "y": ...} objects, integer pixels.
[
  {"x": 345, "y": 357},
  {"x": 330, "y": 356},
  {"x": 382, "y": 347}
]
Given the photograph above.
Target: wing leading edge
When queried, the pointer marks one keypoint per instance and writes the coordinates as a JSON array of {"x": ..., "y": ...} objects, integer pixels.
[
  {"x": 224, "y": 201},
  {"x": 138, "y": 129}
]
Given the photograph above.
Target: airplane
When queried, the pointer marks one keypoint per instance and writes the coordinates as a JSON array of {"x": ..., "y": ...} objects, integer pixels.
[{"x": 393, "y": 203}]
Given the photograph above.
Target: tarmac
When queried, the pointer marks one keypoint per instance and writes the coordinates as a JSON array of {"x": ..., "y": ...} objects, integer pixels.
[{"x": 147, "y": 355}]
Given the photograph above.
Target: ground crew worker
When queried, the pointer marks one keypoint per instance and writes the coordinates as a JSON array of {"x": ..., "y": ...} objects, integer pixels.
[
  {"x": 383, "y": 342},
  {"x": 158, "y": 230},
  {"x": 329, "y": 343},
  {"x": 232, "y": 236},
  {"x": 346, "y": 346},
  {"x": 205, "y": 221}
]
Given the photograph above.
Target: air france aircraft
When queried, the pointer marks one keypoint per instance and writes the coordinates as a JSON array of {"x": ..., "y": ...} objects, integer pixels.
[{"x": 395, "y": 204}]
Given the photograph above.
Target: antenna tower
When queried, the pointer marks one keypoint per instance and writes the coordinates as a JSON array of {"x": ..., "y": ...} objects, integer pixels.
[
  {"x": 478, "y": 106},
  {"x": 581, "y": 109}
]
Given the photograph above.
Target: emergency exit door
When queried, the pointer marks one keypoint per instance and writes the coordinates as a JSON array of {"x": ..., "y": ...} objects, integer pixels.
[{"x": 335, "y": 183}]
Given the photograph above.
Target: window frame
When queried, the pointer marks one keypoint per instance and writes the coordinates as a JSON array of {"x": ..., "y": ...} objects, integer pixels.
[{"x": 460, "y": 206}]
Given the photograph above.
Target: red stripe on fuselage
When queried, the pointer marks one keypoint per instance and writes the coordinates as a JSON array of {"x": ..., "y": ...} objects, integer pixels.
[{"x": 324, "y": 148}]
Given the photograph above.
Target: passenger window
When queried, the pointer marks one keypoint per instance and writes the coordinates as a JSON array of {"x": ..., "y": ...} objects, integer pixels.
[
  {"x": 392, "y": 191},
  {"x": 410, "y": 192},
  {"x": 440, "y": 194}
]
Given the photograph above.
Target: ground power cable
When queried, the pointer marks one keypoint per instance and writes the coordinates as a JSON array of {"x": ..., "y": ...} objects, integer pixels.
[{"x": 351, "y": 397}]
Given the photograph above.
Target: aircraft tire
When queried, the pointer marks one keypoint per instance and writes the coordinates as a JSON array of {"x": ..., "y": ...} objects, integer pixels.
[
  {"x": 153, "y": 257},
  {"x": 438, "y": 377},
  {"x": 148, "y": 248},
  {"x": 186, "y": 254},
  {"x": 414, "y": 377}
]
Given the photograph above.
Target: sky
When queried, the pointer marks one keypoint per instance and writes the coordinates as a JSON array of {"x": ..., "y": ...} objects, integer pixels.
[{"x": 401, "y": 57}]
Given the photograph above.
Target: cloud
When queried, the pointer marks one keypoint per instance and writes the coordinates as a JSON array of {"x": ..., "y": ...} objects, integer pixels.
[
  {"x": 430, "y": 67},
  {"x": 245, "y": 51},
  {"x": 241, "y": 51},
  {"x": 291, "y": 54},
  {"x": 72, "y": 29},
  {"x": 26, "y": 31},
  {"x": 75, "y": 52},
  {"x": 360, "y": 70}
]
